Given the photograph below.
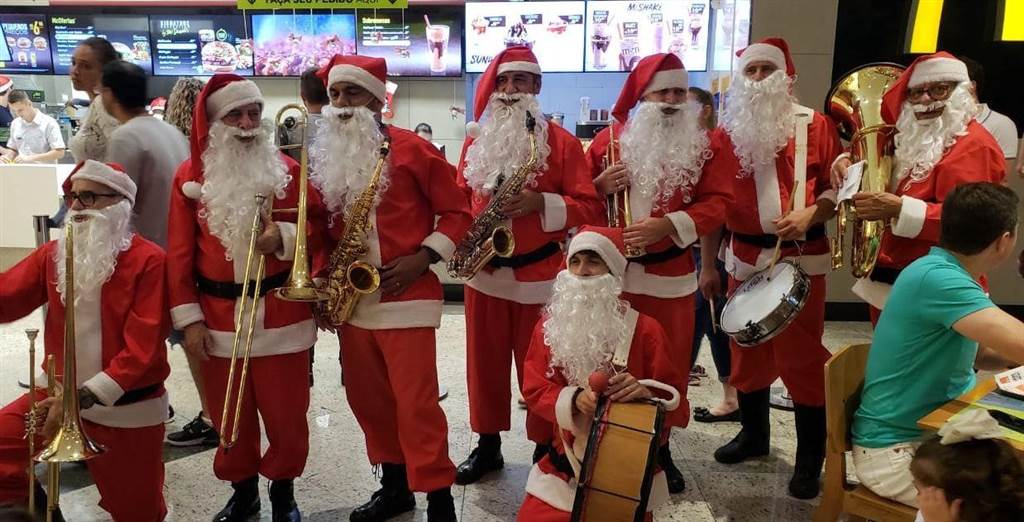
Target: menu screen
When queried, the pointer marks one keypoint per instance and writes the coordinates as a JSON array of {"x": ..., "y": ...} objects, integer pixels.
[
  {"x": 128, "y": 34},
  {"x": 200, "y": 45},
  {"x": 554, "y": 30},
  {"x": 732, "y": 33},
  {"x": 289, "y": 43},
  {"x": 621, "y": 33},
  {"x": 24, "y": 48},
  {"x": 418, "y": 41}
]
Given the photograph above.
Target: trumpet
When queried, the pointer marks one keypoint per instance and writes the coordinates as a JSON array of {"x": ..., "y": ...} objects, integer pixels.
[
  {"x": 619, "y": 218},
  {"x": 30, "y": 421}
]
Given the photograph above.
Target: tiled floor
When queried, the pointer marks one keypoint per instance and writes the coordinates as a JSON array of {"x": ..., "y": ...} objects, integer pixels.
[{"x": 338, "y": 477}]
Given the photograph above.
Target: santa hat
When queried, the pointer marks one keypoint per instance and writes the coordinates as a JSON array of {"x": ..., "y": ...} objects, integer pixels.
[
  {"x": 5, "y": 84},
  {"x": 938, "y": 67},
  {"x": 512, "y": 59},
  {"x": 365, "y": 71},
  {"x": 110, "y": 175},
  {"x": 773, "y": 50},
  {"x": 222, "y": 94},
  {"x": 605, "y": 242},
  {"x": 653, "y": 73},
  {"x": 158, "y": 103}
]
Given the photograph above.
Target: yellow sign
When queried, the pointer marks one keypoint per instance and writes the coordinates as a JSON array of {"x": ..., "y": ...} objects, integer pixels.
[{"x": 323, "y": 4}]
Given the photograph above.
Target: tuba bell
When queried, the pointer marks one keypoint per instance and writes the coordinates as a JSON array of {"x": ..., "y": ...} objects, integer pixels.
[{"x": 855, "y": 103}]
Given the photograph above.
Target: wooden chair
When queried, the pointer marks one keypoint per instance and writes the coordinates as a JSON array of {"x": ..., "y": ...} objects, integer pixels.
[{"x": 844, "y": 380}]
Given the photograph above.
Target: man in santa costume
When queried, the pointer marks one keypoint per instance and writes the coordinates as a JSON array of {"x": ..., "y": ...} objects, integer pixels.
[
  {"x": 121, "y": 323},
  {"x": 388, "y": 343},
  {"x": 939, "y": 145},
  {"x": 661, "y": 155},
  {"x": 761, "y": 127},
  {"x": 504, "y": 299},
  {"x": 587, "y": 327},
  {"x": 213, "y": 205}
]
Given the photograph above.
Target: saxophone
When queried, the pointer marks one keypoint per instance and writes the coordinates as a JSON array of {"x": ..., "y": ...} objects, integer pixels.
[
  {"x": 489, "y": 236},
  {"x": 349, "y": 278}
]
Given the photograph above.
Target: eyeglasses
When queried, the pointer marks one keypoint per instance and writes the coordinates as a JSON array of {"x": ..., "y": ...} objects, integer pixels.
[
  {"x": 87, "y": 198},
  {"x": 936, "y": 91}
]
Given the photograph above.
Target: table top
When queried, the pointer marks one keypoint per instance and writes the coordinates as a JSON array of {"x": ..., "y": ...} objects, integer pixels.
[{"x": 934, "y": 420}]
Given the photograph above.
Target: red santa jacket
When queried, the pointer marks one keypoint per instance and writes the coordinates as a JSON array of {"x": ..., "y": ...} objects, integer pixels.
[
  {"x": 119, "y": 333},
  {"x": 281, "y": 326},
  {"x": 421, "y": 187},
  {"x": 764, "y": 195},
  {"x": 698, "y": 212},
  {"x": 569, "y": 201},
  {"x": 550, "y": 396}
]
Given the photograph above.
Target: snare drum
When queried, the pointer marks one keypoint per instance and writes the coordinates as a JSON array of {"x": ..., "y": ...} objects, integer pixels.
[{"x": 765, "y": 304}]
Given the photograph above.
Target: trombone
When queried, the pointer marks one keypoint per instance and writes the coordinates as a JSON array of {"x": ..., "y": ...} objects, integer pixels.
[{"x": 618, "y": 218}]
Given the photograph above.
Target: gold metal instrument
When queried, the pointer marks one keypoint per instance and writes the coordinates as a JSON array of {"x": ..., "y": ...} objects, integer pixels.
[
  {"x": 247, "y": 305},
  {"x": 300, "y": 286},
  {"x": 489, "y": 235},
  {"x": 349, "y": 277},
  {"x": 619, "y": 217},
  {"x": 855, "y": 102},
  {"x": 30, "y": 424}
]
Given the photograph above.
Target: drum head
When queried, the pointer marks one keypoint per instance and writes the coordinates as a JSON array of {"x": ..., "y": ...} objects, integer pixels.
[{"x": 758, "y": 297}]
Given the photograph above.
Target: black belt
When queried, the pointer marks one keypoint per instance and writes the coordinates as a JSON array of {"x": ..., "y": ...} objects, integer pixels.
[
  {"x": 885, "y": 275},
  {"x": 529, "y": 258},
  {"x": 137, "y": 395},
  {"x": 653, "y": 258},
  {"x": 226, "y": 290},
  {"x": 769, "y": 240}
]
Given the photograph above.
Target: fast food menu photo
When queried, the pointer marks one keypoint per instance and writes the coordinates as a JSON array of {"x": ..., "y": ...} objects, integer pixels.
[
  {"x": 128, "y": 34},
  {"x": 621, "y": 33},
  {"x": 414, "y": 41},
  {"x": 554, "y": 30},
  {"x": 289, "y": 43},
  {"x": 732, "y": 32},
  {"x": 201, "y": 45},
  {"x": 25, "y": 48}
]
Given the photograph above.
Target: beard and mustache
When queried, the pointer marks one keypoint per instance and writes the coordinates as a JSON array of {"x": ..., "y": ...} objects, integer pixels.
[
  {"x": 346, "y": 152},
  {"x": 504, "y": 145},
  {"x": 99, "y": 240},
  {"x": 234, "y": 172},
  {"x": 921, "y": 144},
  {"x": 759, "y": 118},
  {"x": 664, "y": 153},
  {"x": 585, "y": 323}
]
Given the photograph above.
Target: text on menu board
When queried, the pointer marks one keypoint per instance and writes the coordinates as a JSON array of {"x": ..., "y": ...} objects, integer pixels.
[{"x": 322, "y": 4}]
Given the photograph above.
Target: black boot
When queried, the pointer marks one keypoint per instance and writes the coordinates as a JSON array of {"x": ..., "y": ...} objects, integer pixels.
[
  {"x": 41, "y": 506},
  {"x": 810, "y": 451},
  {"x": 674, "y": 477},
  {"x": 441, "y": 506},
  {"x": 392, "y": 499},
  {"x": 753, "y": 438},
  {"x": 282, "y": 501},
  {"x": 485, "y": 458},
  {"x": 244, "y": 503},
  {"x": 540, "y": 451}
]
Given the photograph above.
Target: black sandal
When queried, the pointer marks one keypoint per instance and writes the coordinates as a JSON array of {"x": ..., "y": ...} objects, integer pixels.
[{"x": 701, "y": 414}]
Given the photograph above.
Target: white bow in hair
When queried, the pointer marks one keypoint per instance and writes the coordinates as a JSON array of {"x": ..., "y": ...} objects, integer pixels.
[{"x": 974, "y": 424}]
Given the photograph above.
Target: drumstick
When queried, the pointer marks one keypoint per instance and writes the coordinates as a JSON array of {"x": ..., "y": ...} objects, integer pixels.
[
  {"x": 714, "y": 322},
  {"x": 778, "y": 243}
]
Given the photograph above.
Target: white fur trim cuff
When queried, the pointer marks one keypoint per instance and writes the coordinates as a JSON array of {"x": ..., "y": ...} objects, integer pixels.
[
  {"x": 671, "y": 79},
  {"x": 231, "y": 97},
  {"x": 440, "y": 243},
  {"x": 186, "y": 314},
  {"x": 554, "y": 214},
  {"x": 938, "y": 69},
  {"x": 287, "y": 252},
  {"x": 686, "y": 230},
  {"x": 911, "y": 219},
  {"x": 104, "y": 388},
  {"x": 603, "y": 246},
  {"x": 763, "y": 52},
  {"x": 528, "y": 67},
  {"x": 359, "y": 76},
  {"x": 567, "y": 419}
]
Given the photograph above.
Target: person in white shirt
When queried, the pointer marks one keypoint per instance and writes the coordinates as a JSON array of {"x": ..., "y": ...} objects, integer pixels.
[
  {"x": 35, "y": 137},
  {"x": 999, "y": 125}
]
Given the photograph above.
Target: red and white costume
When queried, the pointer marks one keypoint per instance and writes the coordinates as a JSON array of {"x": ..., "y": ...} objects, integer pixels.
[
  {"x": 277, "y": 386},
  {"x": 388, "y": 345},
  {"x": 122, "y": 360},
  {"x": 503, "y": 304},
  {"x": 664, "y": 289}
]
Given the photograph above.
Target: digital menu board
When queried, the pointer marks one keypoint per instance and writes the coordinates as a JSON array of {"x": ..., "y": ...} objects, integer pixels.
[
  {"x": 24, "y": 47},
  {"x": 128, "y": 34},
  {"x": 200, "y": 45},
  {"x": 417, "y": 41},
  {"x": 554, "y": 30},
  {"x": 289, "y": 43},
  {"x": 732, "y": 33},
  {"x": 621, "y": 33}
]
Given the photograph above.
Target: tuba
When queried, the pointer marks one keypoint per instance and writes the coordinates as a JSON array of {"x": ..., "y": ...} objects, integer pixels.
[
  {"x": 855, "y": 103},
  {"x": 489, "y": 236},
  {"x": 619, "y": 218},
  {"x": 350, "y": 277}
]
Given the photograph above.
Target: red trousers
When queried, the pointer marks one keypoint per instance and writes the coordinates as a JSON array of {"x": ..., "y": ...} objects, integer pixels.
[
  {"x": 276, "y": 390},
  {"x": 536, "y": 510},
  {"x": 391, "y": 384},
  {"x": 676, "y": 317},
  {"x": 129, "y": 475},
  {"x": 498, "y": 331},
  {"x": 874, "y": 314},
  {"x": 796, "y": 354}
]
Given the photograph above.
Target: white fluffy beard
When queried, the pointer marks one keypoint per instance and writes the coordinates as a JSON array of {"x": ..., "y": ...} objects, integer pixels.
[
  {"x": 759, "y": 118},
  {"x": 504, "y": 144},
  {"x": 921, "y": 144},
  {"x": 346, "y": 153},
  {"x": 234, "y": 172},
  {"x": 664, "y": 153},
  {"x": 586, "y": 322},
  {"x": 98, "y": 241}
]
